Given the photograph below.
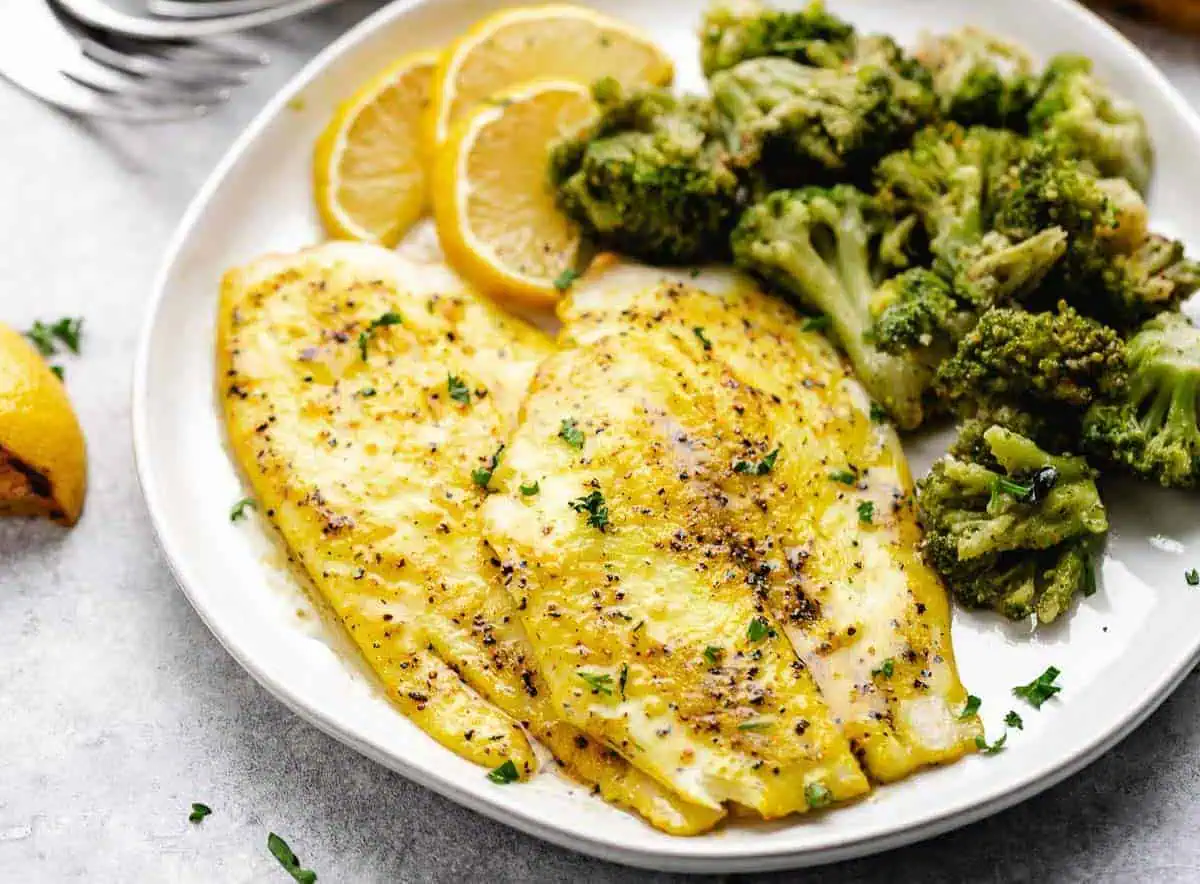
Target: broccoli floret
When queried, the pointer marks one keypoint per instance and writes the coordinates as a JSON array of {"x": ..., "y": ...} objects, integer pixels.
[
  {"x": 1156, "y": 277},
  {"x": 1011, "y": 357},
  {"x": 1049, "y": 429},
  {"x": 948, "y": 177},
  {"x": 979, "y": 78},
  {"x": 917, "y": 311},
  {"x": 1010, "y": 530},
  {"x": 1152, "y": 430},
  {"x": 797, "y": 124},
  {"x": 738, "y": 30},
  {"x": 1083, "y": 117},
  {"x": 648, "y": 177},
  {"x": 1111, "y": 268},
  {"x": 817, "y": 244}
]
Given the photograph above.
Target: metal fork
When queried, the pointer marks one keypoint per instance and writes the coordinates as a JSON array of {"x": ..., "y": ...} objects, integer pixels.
[
  {"x": 154, "y": 70},
  {"x": 187, "y": 20}
]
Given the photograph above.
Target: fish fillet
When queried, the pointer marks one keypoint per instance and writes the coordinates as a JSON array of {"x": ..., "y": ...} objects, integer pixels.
[
  {"x": 366, "y": 397},
  {"x": 834, "y": 520},
  {"x": 637, "y": 597}
]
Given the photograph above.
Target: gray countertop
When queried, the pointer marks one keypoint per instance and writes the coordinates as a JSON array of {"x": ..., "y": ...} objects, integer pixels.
[{"x": 118, "y": 708}]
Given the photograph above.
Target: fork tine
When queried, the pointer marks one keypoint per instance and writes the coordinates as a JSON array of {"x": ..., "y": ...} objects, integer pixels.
[
  {"x": 208, "y": 9},
  {"x": 121, "y": 85},
  {"x": 147, "y": 64}
]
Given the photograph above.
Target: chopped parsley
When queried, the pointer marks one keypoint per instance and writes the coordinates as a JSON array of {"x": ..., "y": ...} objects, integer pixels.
[
  {"x": 599, "y": 682},
  {"x": 624, "y": 679},
  {"x": 699, "y": 333},
  {"x": 597, "y": 510},
  {"x": 47, "y": 336},
  {"x": 290, "y": 862},
  {"x": 59, "y": 371},
  {"x": 761, "y": 468},
  {"x": 815, "y": 323},
  {"x": 528, "y": 489},
  {"x": 199, "y": 812},
  {"x": 382, "y": 321},
  {"x": 759, "y": 629},
  {"x": 972, "y": 706},
  {"x": 504, "y": 774},
  {"x": 563, "y": 281},
  {"x": 1019, "y": 490},
  {"x": 844, "y": 476},
  {"x": 482, "y": 476},
  {"x": 1014, "y": 720},
  {"x": 982, "y": 745},
  {"x": 878, "y": 413},
  {"x": 366, "y": 392},
  {"x": 886, "y": 668},
  {"x": 1040, "y": 689},
  {"x": 239, "y": 509},
  {"x": 458, "y": 390},
  {"x": 760, "y": 725},
  {"x": 1192, "y": 577},
  {"x": 712, "y": 654},
  {"x": 1033, "y": 491},
  {"x": 866, "y": 512},
  {"x": 570, "y": 433},
  {"x": 1089, "y": 576},
  {"x": 817, "y": 795}
]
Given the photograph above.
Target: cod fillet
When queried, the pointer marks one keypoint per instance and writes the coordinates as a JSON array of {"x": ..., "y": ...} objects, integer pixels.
[
  {"x": 639, "y": 600},
  {"x": 833, "y": 522},
  {"x": 368, "y": 399}
]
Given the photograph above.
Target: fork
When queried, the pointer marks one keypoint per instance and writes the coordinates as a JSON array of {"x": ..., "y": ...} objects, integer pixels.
[
  {"x": 179, "y": 19},
  {"x": 86, "y": 58}
]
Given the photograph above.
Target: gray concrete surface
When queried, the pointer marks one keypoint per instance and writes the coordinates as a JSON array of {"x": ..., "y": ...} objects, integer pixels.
[{"x": 118, "y": 708}]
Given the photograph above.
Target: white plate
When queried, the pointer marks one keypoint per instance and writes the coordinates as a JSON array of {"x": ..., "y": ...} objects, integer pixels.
[{"x": 1120, "y": 653}]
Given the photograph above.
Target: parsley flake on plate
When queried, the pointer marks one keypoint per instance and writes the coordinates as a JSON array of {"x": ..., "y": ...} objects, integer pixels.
[
  {"x": 1040, "y": 689},
  {"x": 199, "y": 812},
  {"x": 982, "y": 745},
  {"x": 238, "y": 511}
]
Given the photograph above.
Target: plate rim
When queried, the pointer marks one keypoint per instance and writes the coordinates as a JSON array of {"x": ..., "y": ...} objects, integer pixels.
[{"x": 760, "y": 857}]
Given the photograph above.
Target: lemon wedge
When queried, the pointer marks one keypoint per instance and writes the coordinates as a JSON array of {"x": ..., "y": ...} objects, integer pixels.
[
  {"x": 369, "y": 171},
  {"x": 492, "y": 199},
  {"x": 43, "y": 464},
  {"x": 526, "y": 43}
]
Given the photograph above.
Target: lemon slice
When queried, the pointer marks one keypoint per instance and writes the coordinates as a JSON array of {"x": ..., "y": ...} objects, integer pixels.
[
  {"x": 492, "y": 198},
  {"x": 43, "y": 464},
  {"x": 369, "y": 171},
  {"x": 526, "y": 43}
]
